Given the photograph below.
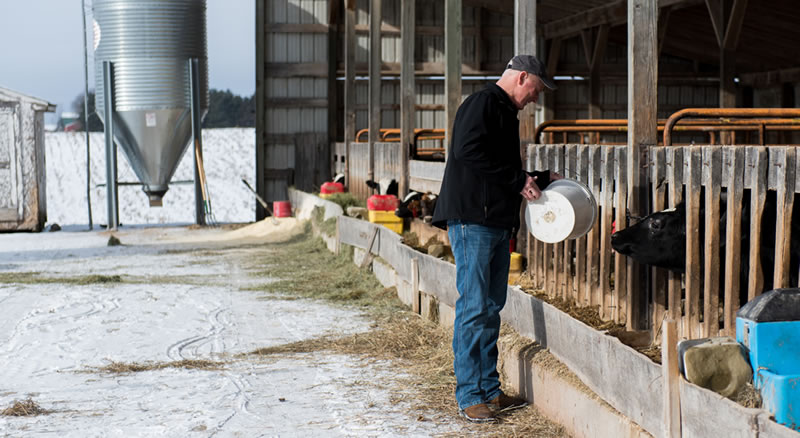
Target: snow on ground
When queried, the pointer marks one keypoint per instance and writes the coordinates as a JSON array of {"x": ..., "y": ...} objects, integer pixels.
[
  {"x": 179, "y": 301},
  {"x": 228, "y": 155}
]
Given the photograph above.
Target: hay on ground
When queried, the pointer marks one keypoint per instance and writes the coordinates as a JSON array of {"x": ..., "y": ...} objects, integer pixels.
[
  {"x": 24, "y": 408},
  {"x": 136, "y": 367}
]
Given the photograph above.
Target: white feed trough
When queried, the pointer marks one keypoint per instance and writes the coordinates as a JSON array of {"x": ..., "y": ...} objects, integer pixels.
[{"x": 566, "y": 210}]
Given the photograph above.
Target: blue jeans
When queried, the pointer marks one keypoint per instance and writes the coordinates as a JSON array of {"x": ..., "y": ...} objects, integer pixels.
[{"x": 482, "y": 261}]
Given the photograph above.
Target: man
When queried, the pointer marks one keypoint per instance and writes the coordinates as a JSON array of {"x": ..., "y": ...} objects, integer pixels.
[{"x": 479, "y": 203}]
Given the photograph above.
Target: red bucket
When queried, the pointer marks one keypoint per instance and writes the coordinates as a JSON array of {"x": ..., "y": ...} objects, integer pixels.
[
  {"x": 282, "y": 208},
  {"x": 382, "y": 202},
  {"x": 330, "y": 188}
]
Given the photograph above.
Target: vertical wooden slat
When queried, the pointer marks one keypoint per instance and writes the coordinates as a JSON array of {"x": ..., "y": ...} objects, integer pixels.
[
  {"x": 607, "y": 216},
  {"x": 407, "y": 95},
  {"x": 693, "y": 178},
  {"x": 675, "y": 175},
  {"x": 452, "y": 70},
  {"x": 785, "y": 168},
  {"x": 757, "y": 161},
  {"x": 561, "y": 269},
  {"x": 349, "y": 85},
  {"x": 570, "y": 169},
  {"x": 659, "y": 276},
  {"x": 550, "y": 257},
  {"x": 375, "y": 20},
  {"x": 541, "y": 259},
  {"x": 734, "y": 161},
  {"x": 593, "y": 238},
  {"x": 712, "y": 180},
  {"x": 581, "y": 280},
  {"x": 530, "y": 243},
  {"x": 671, "y": 383},
  {"x": 642, "y": 133},
  {"x": 622, "y": 295}
]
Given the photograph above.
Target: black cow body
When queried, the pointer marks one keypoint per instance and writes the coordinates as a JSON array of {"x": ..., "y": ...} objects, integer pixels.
[{"x": 660, "y": 240}]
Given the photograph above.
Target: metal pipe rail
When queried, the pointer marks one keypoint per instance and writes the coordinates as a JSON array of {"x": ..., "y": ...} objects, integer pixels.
[
  {"x": 793, "y": 113},
  {"x": 596, "y": 126}
]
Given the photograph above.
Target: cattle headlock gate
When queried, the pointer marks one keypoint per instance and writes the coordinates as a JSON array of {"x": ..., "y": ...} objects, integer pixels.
[{"x": 725, "y": 187}]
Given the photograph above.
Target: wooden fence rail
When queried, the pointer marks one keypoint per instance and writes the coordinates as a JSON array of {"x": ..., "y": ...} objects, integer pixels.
[{"x": 715, "y": 182}]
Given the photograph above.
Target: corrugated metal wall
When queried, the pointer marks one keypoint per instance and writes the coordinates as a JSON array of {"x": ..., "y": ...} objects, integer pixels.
[
  {"x": 292, "y": 96},
  {"x": 487, "y": 34}
]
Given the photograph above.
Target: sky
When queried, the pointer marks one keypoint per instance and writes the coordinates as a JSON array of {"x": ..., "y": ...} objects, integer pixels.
[{"x": 41, "y": 48}]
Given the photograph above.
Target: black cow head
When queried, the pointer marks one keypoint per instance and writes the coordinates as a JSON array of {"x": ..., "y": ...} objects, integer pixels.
[{"x": 657, "y": 240}]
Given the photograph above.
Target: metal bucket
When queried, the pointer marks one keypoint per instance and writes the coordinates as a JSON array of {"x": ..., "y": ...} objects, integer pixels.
[{"x": 566, "y": 210}]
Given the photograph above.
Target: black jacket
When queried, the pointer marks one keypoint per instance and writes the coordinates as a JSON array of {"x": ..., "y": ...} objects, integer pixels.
[{"x": 483, "y": 176}]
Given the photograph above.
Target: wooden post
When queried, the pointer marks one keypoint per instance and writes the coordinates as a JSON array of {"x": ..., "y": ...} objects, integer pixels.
[
  {"x": 415, "y": 300},
  {"x": 407, "y": 95},
  {"x": 671, "y": 379},
  {"x": 549, "y": 100},
  {"x": 642, "y": 134},
  {"x": 452, "y": 68},
  {"x": 525, "y": 44},
  {"x": 726, "y": 21},
  {"x": 349, "y": 82},
  {"x": 375, "y": 15},
  {"x": 595, "y": 48},
  {"x": 334, "y": 14}
]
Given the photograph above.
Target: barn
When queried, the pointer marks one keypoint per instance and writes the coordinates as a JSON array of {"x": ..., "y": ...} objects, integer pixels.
[{"x": 659, "y": 102}]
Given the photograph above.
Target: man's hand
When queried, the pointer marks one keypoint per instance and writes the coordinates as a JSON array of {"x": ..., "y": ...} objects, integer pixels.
[
  {"x": 555, "y": 176},
  {"x": 531, "y": 191}
]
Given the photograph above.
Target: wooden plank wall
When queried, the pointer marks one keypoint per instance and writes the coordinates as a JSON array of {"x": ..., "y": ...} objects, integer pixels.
[
  {"x": 292, "y": 87},
  {"x": 588, "y": 272}
]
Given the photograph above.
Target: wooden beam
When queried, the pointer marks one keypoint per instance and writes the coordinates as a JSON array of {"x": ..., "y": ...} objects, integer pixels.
[
  {"x": 375, "y": 18},
  {"x": 525, "y": 44},
  {"x": 334, "y": 13},
  {"x": 768, "y": 78},
  {"x": 642, "y": 134},
  {"x": 552, "y": 67},
  {"x": 598, "y": 48},
  {"x": 501, "y": 6},
  {"x": 734, "y": 28},
  {"x": 407, "y": 89},
  {"x": 663, "y": 22},
  {"x": 716, "y": 13},
  {"x": 349, "y": 81},
  {"x": 297, "y": 28},
  {"x": 611, "y": 14},
  {"x": 279, "y": 69},
  {"x": 478, "y": 38},
  {"x": 452, "y": 76}
]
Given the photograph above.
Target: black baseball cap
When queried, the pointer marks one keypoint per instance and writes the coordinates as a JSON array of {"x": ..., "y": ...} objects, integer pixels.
[{"x": 532, "y": 65}]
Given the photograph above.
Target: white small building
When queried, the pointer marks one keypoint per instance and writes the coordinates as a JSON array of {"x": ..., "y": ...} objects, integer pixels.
[{"x": 23, "y": 200}]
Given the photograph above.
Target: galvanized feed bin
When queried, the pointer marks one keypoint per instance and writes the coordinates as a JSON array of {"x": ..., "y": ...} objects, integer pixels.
[
  {"x": 150, "y": 43},
  {"x": 23, "y": 200}
]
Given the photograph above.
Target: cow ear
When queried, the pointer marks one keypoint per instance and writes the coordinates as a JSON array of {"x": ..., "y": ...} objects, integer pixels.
[{"x": 681, "y": 206}]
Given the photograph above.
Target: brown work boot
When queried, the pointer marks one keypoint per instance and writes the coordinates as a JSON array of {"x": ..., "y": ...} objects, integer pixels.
[
  {"x": 479, "y": 413},
  {"x": 506, "y": 403}
]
